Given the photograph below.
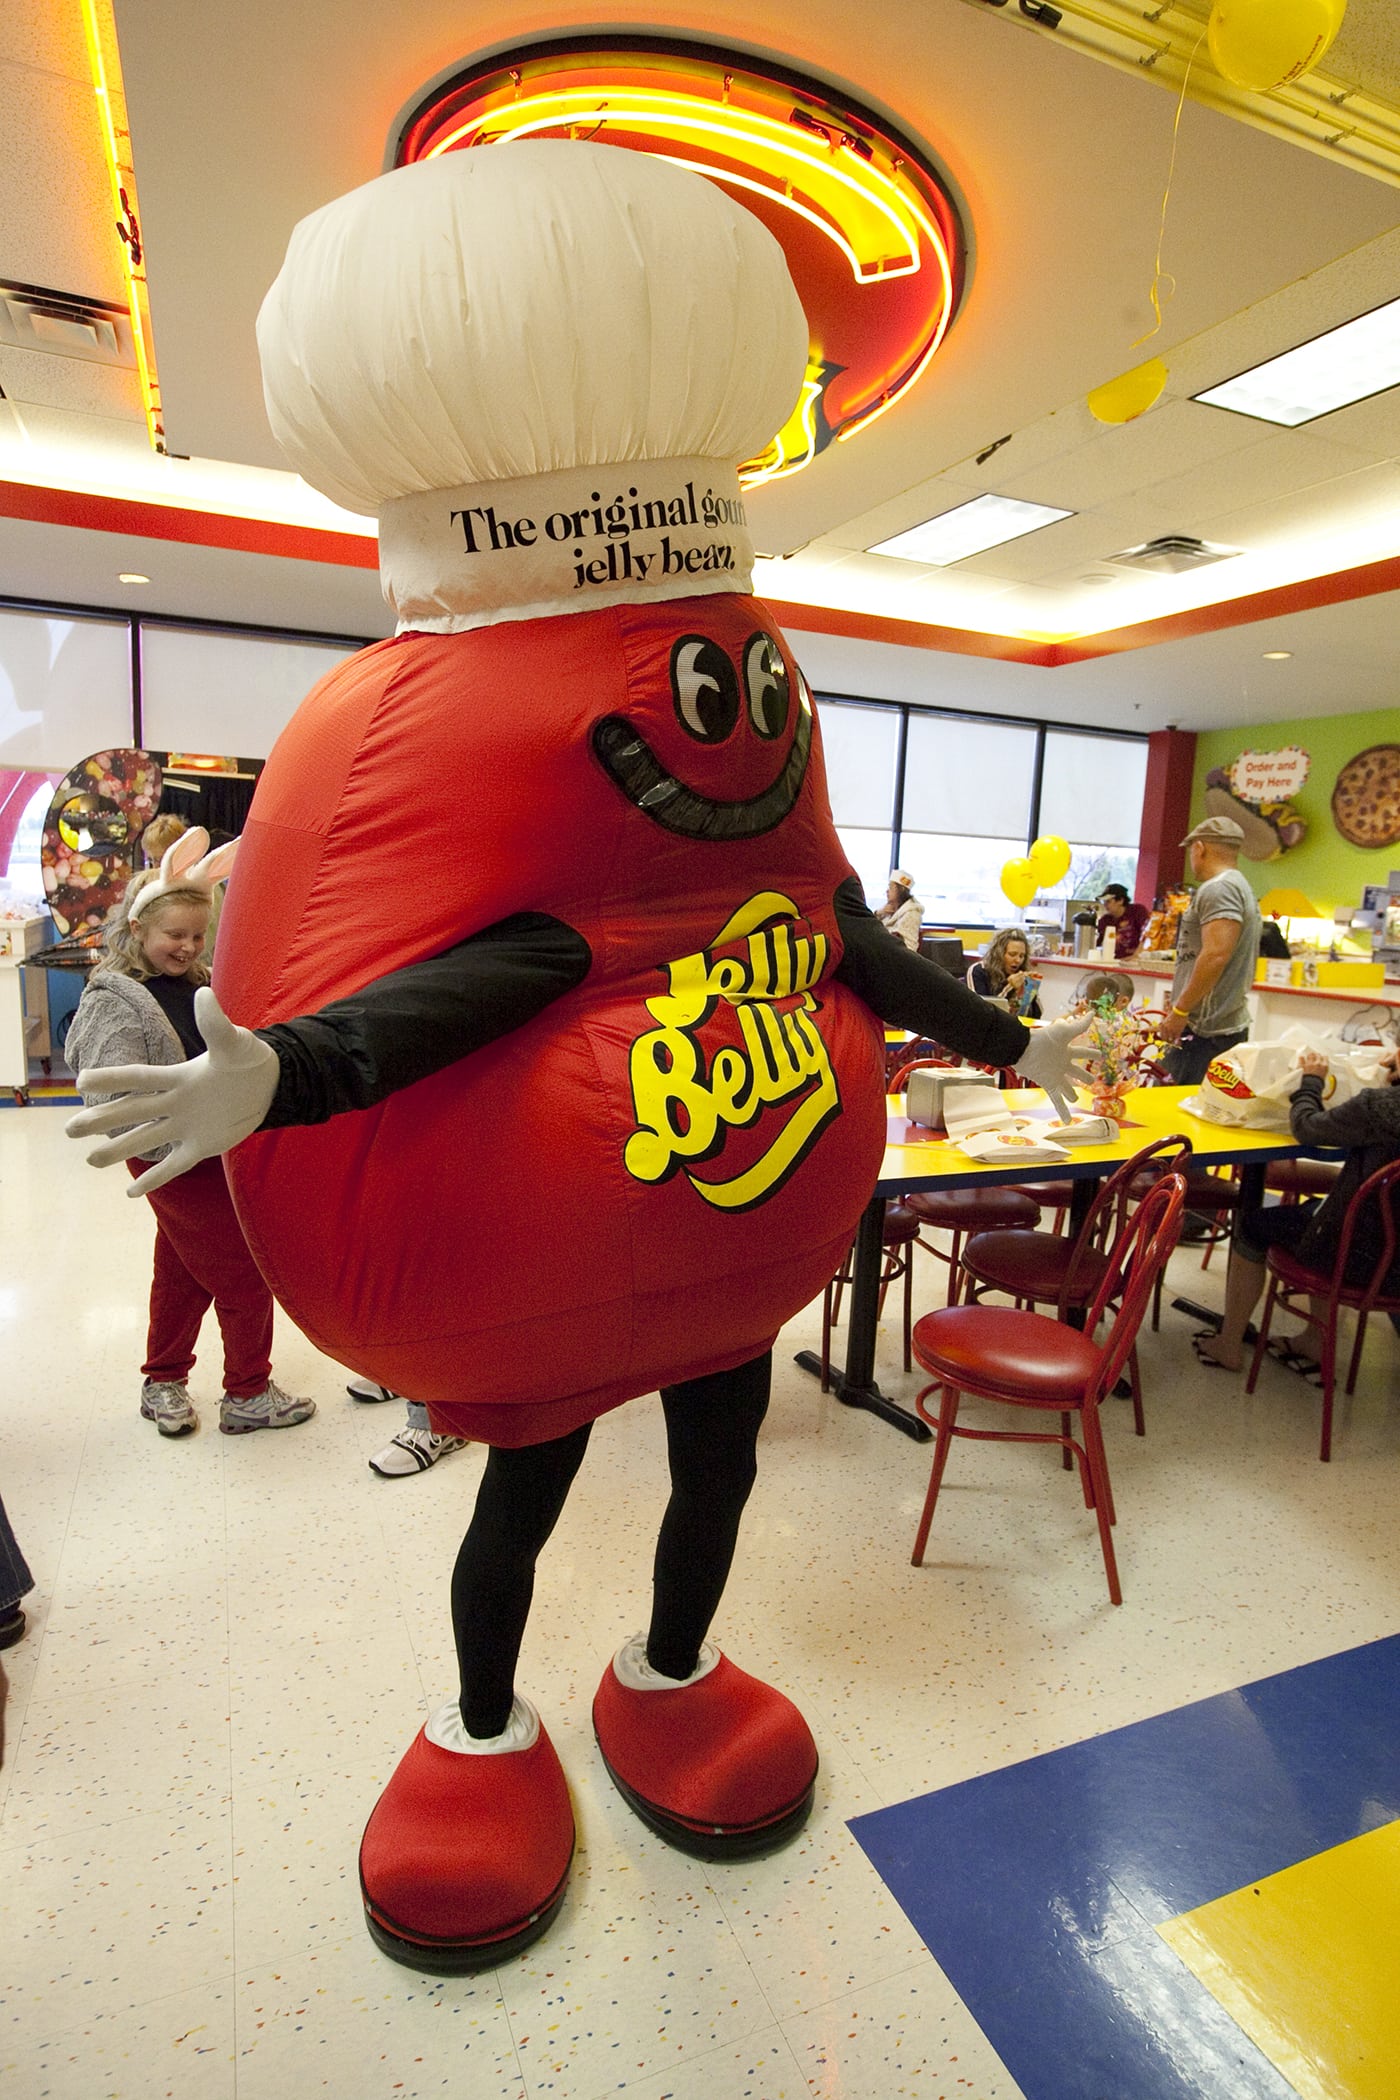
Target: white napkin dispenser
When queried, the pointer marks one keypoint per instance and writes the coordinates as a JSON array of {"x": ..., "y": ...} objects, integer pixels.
[{"x": 923, "y": 1100}]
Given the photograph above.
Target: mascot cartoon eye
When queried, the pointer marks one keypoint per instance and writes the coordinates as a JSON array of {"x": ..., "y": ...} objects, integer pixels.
[
  {"x": 766, "y": 682},
  {"x": 705, "y": 688}
]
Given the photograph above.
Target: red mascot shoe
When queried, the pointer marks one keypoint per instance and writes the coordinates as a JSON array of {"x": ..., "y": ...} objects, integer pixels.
[
  {"x": 721, "y": 1766},
  {"x": 464, "y": 1860}
]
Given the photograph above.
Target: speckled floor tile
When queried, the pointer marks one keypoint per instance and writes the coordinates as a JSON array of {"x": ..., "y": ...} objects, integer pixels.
[
  {"x": 906, "y": 2036},
  {"x": 122, "y": 1914},
  {"x": 244, "y": 1634},
  {"x": 346, "y": 2021},
  {"x": 95, "y": 1758},
  {"x": 178, "y": 2047},
  {"x": 762, "y": 2067},
  {"x": 296, "y": 1842}
]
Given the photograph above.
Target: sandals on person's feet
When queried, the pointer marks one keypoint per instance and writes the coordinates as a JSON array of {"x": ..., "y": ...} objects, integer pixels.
[
  {"x": 1211, "y": 1363},
  {"x": 1285, "y": 1351}
]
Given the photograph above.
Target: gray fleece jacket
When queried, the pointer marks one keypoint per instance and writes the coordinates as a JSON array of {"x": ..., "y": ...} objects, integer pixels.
[{"x": 119, "y": 1023}]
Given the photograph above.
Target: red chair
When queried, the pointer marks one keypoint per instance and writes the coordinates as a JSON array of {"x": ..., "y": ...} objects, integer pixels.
[
  {"x": 1027, "y": 1360},
  {"x": 1295, "y": 1178},
  {"x": 1293, "y": 1284},
  {"x": 1039, "y": 1268},
  {"x": 963, "y": 1211},
  {"x": 899, "y": 1233}
]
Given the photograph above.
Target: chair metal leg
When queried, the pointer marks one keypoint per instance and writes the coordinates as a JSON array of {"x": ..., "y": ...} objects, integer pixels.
[
  {"x": 1103, "y": 1499},
  {"x": 1361, "y": 1319},
  {"x": 947, "y": 1416},
  {"x": 1263, "y": 1335},
  {"x": 1329, "y": 1380},
  {"x": 908, "y": 1260},
  {"x": 1065, "y": 1458}
]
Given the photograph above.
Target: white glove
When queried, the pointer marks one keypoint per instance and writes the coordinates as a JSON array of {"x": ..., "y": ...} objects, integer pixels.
[
  {"x": 1047, "y": 1063},
  {"x": 201, "y": 1108}
]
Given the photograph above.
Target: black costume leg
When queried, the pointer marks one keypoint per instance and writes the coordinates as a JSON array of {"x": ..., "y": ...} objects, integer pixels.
[
  {"x": 712, "y": 1427},
  {"x": 517, "y": 1507}
]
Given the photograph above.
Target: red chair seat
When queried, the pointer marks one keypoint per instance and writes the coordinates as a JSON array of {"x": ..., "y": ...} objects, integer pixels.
[
  {"x": 1050, "y": 1195},
  {"x": 1297, "y": 1276},
  {"x": 1033, "y": 1264},
  {"x": 1203, "y": 1191},
  {"x": 1302, "y": 1177},
  {"x": 901, "y": 1225},
  {"x": 989, "y": 1348},
  {"x": 973, "y": 1210}
]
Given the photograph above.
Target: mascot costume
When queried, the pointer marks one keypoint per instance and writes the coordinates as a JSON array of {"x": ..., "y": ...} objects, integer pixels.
[{"x": 540, "y": 912}]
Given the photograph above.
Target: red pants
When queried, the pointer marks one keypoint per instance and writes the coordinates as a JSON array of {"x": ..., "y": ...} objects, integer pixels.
[{"x": 202, "y": 1259}]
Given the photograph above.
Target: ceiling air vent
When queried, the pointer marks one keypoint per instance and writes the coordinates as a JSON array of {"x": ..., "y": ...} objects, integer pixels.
[
  {"x": 63, "y": 324},
  {"x": 1171, "y": 554}
]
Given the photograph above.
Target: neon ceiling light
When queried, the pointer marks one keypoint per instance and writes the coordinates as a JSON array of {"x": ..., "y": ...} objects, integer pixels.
[
  {"x": 871, "y": 236},
  {"x": 99, "y": 30}
]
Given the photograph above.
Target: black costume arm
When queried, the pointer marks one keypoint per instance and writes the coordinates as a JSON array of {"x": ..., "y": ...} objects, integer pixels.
[
  {"x": 909, "y": 991},
  {"x": 414, "y": 1021}
]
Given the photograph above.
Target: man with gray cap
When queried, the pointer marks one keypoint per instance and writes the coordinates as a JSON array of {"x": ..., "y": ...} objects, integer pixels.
[{"x": 1216, "y": 952}]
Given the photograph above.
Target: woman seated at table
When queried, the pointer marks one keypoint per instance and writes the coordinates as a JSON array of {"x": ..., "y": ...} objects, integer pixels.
[
  {"x": 1369, "y": 1126},
  {"x": 1004, "y": 975}
]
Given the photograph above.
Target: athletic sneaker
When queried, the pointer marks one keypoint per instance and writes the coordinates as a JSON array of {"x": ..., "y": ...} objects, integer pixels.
[
  {"x": 366, "y": 1389},
  {"x": 269, "y": 1409},
  {"x": 166, "y": 1402},
  {"x": 413, "y": 1451}
]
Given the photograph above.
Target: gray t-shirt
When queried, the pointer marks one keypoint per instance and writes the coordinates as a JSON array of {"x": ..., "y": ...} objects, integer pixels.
[{"x": 1223, "y": 1011}]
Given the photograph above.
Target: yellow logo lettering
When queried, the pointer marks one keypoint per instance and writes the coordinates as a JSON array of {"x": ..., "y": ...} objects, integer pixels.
[{"x": 763, "y": 959}]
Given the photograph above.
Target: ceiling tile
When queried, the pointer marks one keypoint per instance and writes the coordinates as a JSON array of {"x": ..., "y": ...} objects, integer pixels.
[
  {"x": 1282, "y": 465},
  {"x": 70, "y": 383},
  {"x": 1132, "y": 456}
]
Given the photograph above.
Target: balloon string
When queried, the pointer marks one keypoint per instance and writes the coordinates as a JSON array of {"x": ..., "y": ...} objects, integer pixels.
[{"x": 1161, "y": 277}]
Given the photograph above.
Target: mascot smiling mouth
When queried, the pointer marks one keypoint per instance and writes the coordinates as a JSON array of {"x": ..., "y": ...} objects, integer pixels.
[{"x": 634, "y": 767}]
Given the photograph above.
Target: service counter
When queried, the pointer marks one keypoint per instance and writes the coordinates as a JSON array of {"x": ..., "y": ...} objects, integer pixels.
[{"x": 1273, "y": 1007}]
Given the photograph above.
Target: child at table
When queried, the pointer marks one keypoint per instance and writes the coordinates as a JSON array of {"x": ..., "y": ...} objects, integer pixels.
[
  {"x": 1369, "y": 1126},
  {"x": 138, "y": 1008}
]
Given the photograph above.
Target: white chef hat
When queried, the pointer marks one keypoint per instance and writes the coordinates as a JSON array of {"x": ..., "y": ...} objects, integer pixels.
[
  {"x": 541, "y": 309},
  {"x": 520, "y": 308}
]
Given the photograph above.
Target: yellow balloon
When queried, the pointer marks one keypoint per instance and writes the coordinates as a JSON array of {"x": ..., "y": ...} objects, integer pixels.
[
  {"x": 1261, "y": 44},
  {"x": 1049, "y": 858},
  {"x": 1131, "y": 394},
  {"x": 1018, "y": 882}
]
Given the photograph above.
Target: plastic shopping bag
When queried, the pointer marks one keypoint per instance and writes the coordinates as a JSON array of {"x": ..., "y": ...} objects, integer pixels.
[{"x": 1252, "y": 1085}]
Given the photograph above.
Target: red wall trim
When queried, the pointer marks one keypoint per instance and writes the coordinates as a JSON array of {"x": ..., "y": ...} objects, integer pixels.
[
  {"x": 159, "y": 521},
  {"x": 198, "y": 528}
]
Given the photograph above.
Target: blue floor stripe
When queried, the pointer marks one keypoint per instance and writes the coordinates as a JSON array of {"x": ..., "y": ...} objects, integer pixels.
[{"x": 1038, "y": 1887}]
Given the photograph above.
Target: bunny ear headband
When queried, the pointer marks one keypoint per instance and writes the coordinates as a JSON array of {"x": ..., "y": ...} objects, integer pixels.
[{"x": 187, "y": 865}]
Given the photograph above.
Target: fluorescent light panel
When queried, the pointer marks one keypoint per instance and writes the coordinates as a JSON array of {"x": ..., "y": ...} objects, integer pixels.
[
  {"x": 988, "y": 521},
  {"x": 1348, "y": 364}
]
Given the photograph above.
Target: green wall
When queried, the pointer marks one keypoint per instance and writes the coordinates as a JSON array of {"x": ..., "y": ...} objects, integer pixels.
[{"x": 1324, "y": 867}]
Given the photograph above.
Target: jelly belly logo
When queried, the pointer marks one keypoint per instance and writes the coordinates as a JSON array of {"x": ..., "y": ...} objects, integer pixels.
[
  {"x": 779, "y": 1070},
  {"x": 1226, "y": 1080}
]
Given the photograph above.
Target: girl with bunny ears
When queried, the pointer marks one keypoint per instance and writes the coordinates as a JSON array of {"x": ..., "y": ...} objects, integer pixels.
[{"x": 140, "y": 1006}]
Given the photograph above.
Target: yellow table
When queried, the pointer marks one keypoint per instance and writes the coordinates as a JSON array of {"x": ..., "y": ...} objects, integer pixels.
[{"x": 1152, "y": 1112}]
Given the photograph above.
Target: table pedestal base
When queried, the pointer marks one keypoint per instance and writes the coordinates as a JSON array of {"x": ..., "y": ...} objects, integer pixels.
[{"x": 867, "y": 1396}]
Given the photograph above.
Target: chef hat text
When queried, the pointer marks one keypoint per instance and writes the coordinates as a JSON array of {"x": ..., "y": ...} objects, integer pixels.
[{"x": 517, "y": 309}]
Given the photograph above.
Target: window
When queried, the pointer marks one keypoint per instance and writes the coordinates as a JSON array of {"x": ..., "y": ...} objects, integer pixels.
[
  {"x": 224, "y": 693},
  {"x": 967, "y": 807},
  {"x": 861, "y": 746},
  {"x": 1091, "y": 796},
  {"x": 65, "y": 689}
]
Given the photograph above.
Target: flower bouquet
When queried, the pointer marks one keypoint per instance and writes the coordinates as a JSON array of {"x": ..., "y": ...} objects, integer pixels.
[{"x": 1113, "y": 1047}]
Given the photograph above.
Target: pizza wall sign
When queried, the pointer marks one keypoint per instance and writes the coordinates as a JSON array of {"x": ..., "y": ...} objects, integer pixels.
[{"x": 1366, "y": 799}]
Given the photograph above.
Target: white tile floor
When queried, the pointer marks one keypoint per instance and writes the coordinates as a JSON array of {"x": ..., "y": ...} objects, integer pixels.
[{"x": 232, "y": 1640}]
